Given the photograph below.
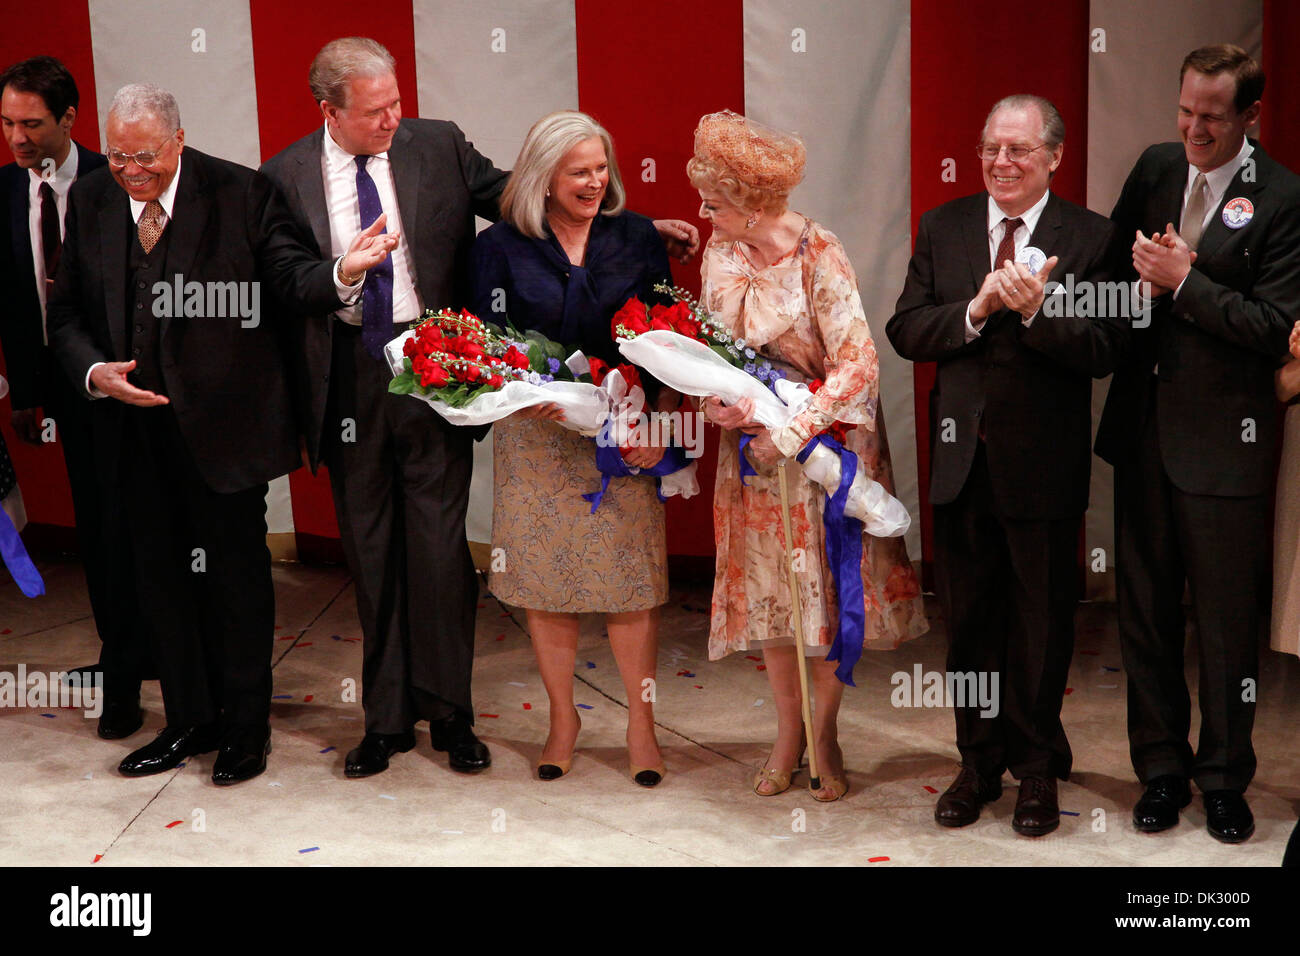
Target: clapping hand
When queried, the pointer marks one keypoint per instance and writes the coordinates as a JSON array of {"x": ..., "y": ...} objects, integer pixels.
[
  {"x": 1163, "y": 260},
  {"x": 1021, "y": 290},
  {"x": 369, "y": 248},
  {"x": 681, "y": 239}
]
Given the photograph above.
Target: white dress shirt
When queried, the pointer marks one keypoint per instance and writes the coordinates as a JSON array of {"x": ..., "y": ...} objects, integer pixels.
[
  {"x": 996, "y": 228},
  {"x": 339, "y": 169},
  {"x": 60, "y": 182}
]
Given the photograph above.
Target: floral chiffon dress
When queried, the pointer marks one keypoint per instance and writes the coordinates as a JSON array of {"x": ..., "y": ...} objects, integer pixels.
[{"x": 804, "y": 313}]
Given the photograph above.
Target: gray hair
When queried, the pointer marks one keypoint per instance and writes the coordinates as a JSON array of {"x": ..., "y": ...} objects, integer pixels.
[
  {"x": 1053, "y": 133},
  {"x": 523, "y": 203},
  {"x": 340, "y": 60},
  {"x": 138, "y": 100}
]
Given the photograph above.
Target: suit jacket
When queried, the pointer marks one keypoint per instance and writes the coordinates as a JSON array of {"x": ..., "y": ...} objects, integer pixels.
[
  {"x": 21, "y": 331},
  {"x": 1031, "y": 387},
  {"x": 1219, "y": 343},
  {"x": 442, "y": 183},
  {"x": 227, "y": 382}
]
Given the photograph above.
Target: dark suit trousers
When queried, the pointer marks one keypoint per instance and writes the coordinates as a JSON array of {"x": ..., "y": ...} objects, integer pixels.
[
  {"x": 211, "y": 614},
  {"x": 1164, "y": 538},
  {"x": 123, "y": 658},
  {"x": 1009, "y": 588},
  {"x": 401, "y": 490}
]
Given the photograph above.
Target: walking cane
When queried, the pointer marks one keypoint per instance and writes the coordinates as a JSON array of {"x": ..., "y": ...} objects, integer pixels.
[{"x": 815, "y": 782}]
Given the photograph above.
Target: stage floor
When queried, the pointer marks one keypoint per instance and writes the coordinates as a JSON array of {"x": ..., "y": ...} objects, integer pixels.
[{"x": 67, "y": 805}]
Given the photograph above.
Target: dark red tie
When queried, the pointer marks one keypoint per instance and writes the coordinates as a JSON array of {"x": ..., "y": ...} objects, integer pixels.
[
  {"x": 1007, "y": 247},
  {"x": 50, "y": 240}
]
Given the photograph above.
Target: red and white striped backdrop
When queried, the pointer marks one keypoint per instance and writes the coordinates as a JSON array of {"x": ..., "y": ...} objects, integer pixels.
[{"x": 884, "y": 92}]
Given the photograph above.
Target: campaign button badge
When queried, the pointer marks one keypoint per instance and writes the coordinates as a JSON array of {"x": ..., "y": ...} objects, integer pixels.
[
  {"x": 1032, "y": 258},
  {"x": 1238, "y": 212}
]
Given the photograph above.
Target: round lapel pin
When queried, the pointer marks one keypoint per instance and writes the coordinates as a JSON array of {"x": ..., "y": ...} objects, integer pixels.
[
  {"x": 1032, "y": 258},
  {"x": 1238, "y": 212}
]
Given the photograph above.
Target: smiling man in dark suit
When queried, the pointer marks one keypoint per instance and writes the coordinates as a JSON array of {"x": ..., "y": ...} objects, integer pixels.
[
  {"x": 164, "y": 251},
  {"x": 38, "y": 106},
  {"x": 1191, "y": 427},
  {"x": 399, "y": 473},
  {"x": 1011, "y": 419}
]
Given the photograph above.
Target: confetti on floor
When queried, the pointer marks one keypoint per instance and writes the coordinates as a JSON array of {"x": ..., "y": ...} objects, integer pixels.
[
  {"x": 174, "y": 823},
  {"x": 1107, "y": 667},
  {"x": 335, "y": 637},
  {"x": 285, "y": 637},
  {"x": 89, "y": 776},
  {"x": 585, "y": 706},
  {"x": 387, "y": 796},
  {"x": 1108, "y": 686},
  {"x": 528, "y": 706},
  {"x": 777, "y": 836},
  {"x": 751, "y": 657},
  {"x": 685, "y": 674},
  {"x": 307, "y": 699},
  {"x": 7, "y": 630},
  {"x": 98, "y": 857},
  {"x": 452, "y": 832},
  {"x": 930, "y": 789},
  {"x": 310, "y": 849},
  {"x": 279, "y": 627},
  {"x": 1069, "y": 690},
  {"x": 877, "y": 859},
  {"x": 351, "y": 640},
  {"x": 1069, "y": 813},
  {"x": 516, "y": 683},
  {"x": 761, "y": 667},
  {"x": 275, "y": 783},
  {"x": 591, "y": 665},
  {"x": 489, "y": 715},
  {"x": 303, "y": 644},
  {"x": 327, "y": 750},
  {"x": 48, "y": 715},
  {"x": 699, "y": 687},
  {"x": 505, "y": 613},
  {"x": 501, "y": 637},
  {"x": 282, "y": 697},
  {"x": 759, "y": 702}
]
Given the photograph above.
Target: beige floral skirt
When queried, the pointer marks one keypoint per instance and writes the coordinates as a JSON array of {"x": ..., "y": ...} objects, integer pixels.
[{"x": 549, "y": 552}]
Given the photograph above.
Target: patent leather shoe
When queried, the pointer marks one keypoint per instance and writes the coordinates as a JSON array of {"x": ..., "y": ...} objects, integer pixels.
[
  {"x": 961, "y": 802},
  {"x": 167, "y": 750},
  {"x": 371, "y": 756},
  {"x": 120, "y": 718},
  {"x": 1158, "y": 808},
  {"x": 465, "y": 752},
  {"x": 242, "y": 756},
  {"x": 1227, "y": 816}
]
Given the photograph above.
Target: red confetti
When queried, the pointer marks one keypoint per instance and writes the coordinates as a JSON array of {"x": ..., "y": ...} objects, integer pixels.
[
  {"x": 699, "y": 687},
  {"x": 1069, "y": 690},
  {"x": 528, "y": 706},
  {"x": 501, "y": 637},
  {"x": 7, "y": 630},
  {"x": 877, "y": 859},
  {"x": 98, "y": 857},
  {"x": 351, "y": 640},
  {"x": 761, "y": 667},
  {"x": 305, "y": 644},
  {"x": 489, "y": 715},
  {"x": 174, "y": 823},
  {"x": 930, "y": 789},
  {"x": 285, "y": 637},
  {"x": 751, "y": 657},
  {"x": 505, "y": 613},
  {"x": 307, "y": 699},
  {"x": 279, "y": 627}
]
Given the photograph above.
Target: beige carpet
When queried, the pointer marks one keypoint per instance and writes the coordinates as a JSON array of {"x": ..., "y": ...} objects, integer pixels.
[{"x": 66, "y": 804}]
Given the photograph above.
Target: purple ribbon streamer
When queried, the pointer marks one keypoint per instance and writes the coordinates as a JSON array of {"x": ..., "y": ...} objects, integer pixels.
[
  {"x": 610, "y": 464},
  {"x": 746, "y": 469},
  {"x": 844, "y": 550},
  {"x": 17, "y": 560}
]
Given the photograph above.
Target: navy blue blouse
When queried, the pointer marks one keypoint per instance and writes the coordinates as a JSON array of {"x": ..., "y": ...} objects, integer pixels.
[{"x": 572, "y": 305}]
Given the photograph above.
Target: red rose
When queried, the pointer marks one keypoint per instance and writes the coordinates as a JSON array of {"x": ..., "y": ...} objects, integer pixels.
[
  {"x": 496, "y": 381},
  {"x": 599, "y": 369},
  {"x": 632, "y": 317},
  {"x": 515, "y": 358},
  {"x": 473, "y": 373},
  {"x": 434, "y": 376},
  {"x": 411, "y": 347}
]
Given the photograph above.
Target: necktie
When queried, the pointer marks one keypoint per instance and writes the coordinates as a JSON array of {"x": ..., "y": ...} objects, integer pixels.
[
  {"x": 1007, "y": 247},
  {"x": 377, "y": 293},
  {"x": 150, "y": 226},
  {"x": 51, "y": 243},
  {"x": 1194, "y": 215}
]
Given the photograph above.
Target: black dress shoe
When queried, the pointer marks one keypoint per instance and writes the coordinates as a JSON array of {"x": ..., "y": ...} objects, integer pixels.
[
  {"x": 1227, "y": 817},
  {"x": 1037, "y": 810},
  {"x": 371, "y": 757},
  {"x": 242, "y": 756},
  {"x": 454, "y": 735},
  {"x": 1159, "y": 806},
  {"x": 120, "y": 718},
  {"x": 960, "y": 803},
  {"x": 168, "y": 749}
]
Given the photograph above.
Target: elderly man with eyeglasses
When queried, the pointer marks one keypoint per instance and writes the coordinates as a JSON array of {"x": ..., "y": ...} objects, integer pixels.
[
  {"x": 197, "y": 416},
  {"x": 1010, "y": 416}
]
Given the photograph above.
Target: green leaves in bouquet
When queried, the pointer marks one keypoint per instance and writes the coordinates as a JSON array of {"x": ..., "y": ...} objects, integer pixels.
[{"x": 405, "y": 383}]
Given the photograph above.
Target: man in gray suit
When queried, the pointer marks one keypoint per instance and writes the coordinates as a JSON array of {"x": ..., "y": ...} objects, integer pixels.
[{"x": 399, "y": 473}]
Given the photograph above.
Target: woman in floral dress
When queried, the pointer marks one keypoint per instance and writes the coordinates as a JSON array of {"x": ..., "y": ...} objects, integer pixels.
[{"x": 783, "y": 286}]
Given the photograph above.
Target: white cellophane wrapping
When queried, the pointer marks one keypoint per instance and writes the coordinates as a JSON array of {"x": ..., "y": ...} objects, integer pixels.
[
  {"x": 585, "y": 406},
  {"x": 693, "y": 368}
]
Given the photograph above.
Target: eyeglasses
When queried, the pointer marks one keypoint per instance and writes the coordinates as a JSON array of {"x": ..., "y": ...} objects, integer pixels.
[
  {"x": 144, "y": 159},
  {"x": 1017, "y": 154}
]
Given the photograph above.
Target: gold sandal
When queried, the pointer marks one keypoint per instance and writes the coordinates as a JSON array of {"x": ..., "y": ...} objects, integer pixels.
[
  {"x": 779, "y": 779},
  {"x": 839, "y": 786}
]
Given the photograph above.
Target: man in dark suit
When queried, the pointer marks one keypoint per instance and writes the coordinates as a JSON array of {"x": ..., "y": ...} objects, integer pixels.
[
  {"x": 157, "y": 306},
  {"x": 1191, "y": 427},
  {"x": 38, "y": 106},
  {"x": 399, "y": 473},
  {"x": 1011, "y": 420}
]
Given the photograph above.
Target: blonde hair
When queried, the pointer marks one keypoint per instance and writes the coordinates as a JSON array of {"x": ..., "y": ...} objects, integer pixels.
[
  {"x": 523, "y": 203},
  {"x": 752, "y": 165}
]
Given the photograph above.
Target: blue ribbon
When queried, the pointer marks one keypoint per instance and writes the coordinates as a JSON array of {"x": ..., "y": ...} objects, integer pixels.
[
  {"x": 844, "y": 550},
  {"x": 17, "y": 560},
  {"x": 610, "y": 464},
  {"x": 746, "y": 469}
]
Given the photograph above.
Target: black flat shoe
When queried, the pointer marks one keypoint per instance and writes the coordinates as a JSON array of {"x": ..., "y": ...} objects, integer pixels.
[
  {"x": 960, "y": 804},
  {"x": 120, "y": 718},
  {"x": 1037, "y": 809},
  {"x": 167, "y": 750},
  {"x": 1227, "y": 817},
  {"x": 1158, "y": 808},
  {"x": 371, "y": 757},
  {"x": 242, "y": 757},
  {"x": 455, "y": 736}
]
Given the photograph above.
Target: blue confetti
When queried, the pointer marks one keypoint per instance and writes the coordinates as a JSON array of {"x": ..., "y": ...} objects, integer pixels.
[
  {"x": 283, "y": 697},
  {"x": 585, "y": 706},
  {"x": 1111, "y": 669},
  {"x": 51, "y": 716},
  {"x": 327, "y": 750},
  {"x": 335, "y": 637},
  {"x": 310, "y": 849},
  {"x": 1068, "y": 813},
  {"x": 591, "y": 665}
]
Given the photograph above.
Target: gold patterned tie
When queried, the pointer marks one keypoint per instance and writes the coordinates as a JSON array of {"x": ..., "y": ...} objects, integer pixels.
[
  {"x": 1194, "y": 214},
  {"x": 151, "y": 224}
]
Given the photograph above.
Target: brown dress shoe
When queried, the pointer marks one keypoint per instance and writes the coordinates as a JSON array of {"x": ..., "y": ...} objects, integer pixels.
[
  {"x": 960, "y": 803},
  {"x": 1037, "y": 810}
]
